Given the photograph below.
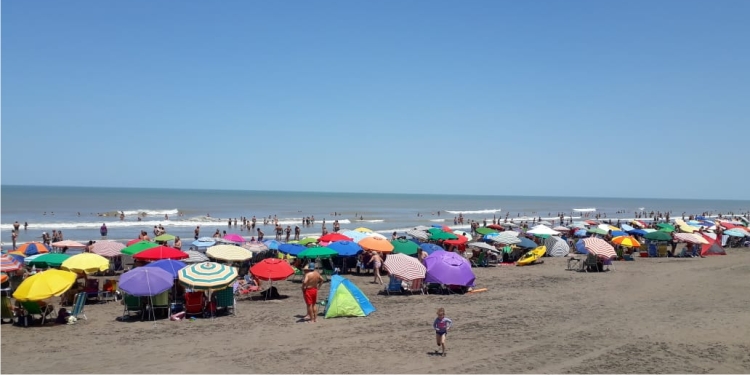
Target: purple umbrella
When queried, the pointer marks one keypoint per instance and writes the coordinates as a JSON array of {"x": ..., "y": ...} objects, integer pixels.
[
  {"x": 448, "y": 268},
  {"x": 146, "y": 281},
  {"x": 169, "y": 265}
]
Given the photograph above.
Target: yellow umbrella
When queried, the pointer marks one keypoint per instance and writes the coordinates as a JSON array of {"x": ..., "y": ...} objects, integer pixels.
[
  {"x": 363, "y": 230},
  {"x": 44, "y": 285},
  {"x": 684, "y": 226},
  {"x": 229, "y": 253},
  {"x": 86, "y": 262}
]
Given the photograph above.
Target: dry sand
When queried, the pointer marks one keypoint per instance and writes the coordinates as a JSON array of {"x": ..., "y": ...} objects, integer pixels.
[{"x": 648, "y": 316}]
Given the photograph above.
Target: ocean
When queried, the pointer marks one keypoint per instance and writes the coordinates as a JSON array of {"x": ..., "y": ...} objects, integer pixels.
[{"x": 80, "y": 211}]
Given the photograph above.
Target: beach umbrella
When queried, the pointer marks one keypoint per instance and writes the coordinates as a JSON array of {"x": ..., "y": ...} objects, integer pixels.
[
  {"x": 418, "y": 234},
  {"x": 506, "y": 238},
  {"x": 204, "y": 242},
  {"x": 626, "y": 241},
  {"x": 9, "y": 264},
  {"x": 442, "y": 236},
  {"x": 69, "y": 244},
  {"x": 404, "y": 267},
  {"x": 229, "y": 253},
  {"x": 658, "y": 236},
  {"x": 638, "y": 223},
  {"x": 146, "y": 281},
  {"x": 234, "y": 238},
  {"x": 459, "y": 240},
  {"x": 195, "y": 257},
  {"x": 138, "y": 247},
  {"x": 626, "y": 228},
  {"x": 485, "y": 230},
  {"x": 402, "y": 246},
  {"x": 317, "y": 252},
  {"x": 543, "y": 230},
  {"x": 465, "y": 234},
  {"x": 48, "y": 260},
  {"x": 448, "y": 268},
  {"x": 164, "y": 238},
  {"x": 607, "y": 227},
  {"x": 133, "y": 241},
  {"x": 107, "y": 249},
  {"x": 691, "y": 238},
  {"x": 639, "y": 232},
  {"x": 482, "y": 245},
  {"x": 31, "y": 248},
  {"x": 430, "y": 248},
  {"x": 599, "y": 247},
  {"x": 664, "y": 227},
  {"x": 308, "y": 240},
  {"x": 272, "y": 269},
  {"x": 44, "y": 285},
  {"x": 581, "y": 233},
  {"x": 333, "y": 237},
  {"x": 526, "y": 243},
  {"x": 86, "y": 263},
  {"x": 291, "y": 249},
  {"x": 346, "y": 248},
  {"x": 617, "y": 233},
  {"x": 3, "y": 278},
  {"x": 496, "y": 226},
  {"x": 363, "y": 230},
  {"x": 355, "y": 236},
  {"x": 376, "y": 244},
  {"x": 556, "y": 247},
  {"x": 272, "y": 244},
  {"x": 561, "y": 229},
  {"x": 598, "y": 230},
  {"x": 159, "y": 253},
  {"x": 255, "y": 246},
  {"x": 735, "y": 232},
  {"x": 169, "y": 265},
  {"x": 207, "y": 275}
]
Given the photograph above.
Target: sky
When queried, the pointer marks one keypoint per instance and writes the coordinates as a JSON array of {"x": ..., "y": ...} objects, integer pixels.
[{"x": 551, "y": 98}]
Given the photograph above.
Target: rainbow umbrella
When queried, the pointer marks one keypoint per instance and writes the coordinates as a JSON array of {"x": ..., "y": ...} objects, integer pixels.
[
  {"x": 48, "y": 260},
  {"x": 626, "y": 241},
  {"x": 31, "y": 248}
]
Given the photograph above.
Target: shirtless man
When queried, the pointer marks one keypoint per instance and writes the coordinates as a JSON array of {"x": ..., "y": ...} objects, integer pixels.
[
  {"x": 197, "y": 232},
  {"x": 310, "y": 285}
]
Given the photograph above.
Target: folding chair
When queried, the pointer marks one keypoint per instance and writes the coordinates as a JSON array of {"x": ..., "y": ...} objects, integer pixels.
[
  {"x": 131, "y": 304},
  {"x": 416, "y": 286},
  {"x": 34, "y": 308},
  {"x": 195, "y": 303},
  {"x": 225, "y": 300},
  {"x": 160, "y": 302},
  {"x": 78, "y": 305},
  {"x": 394, "y": 286}
]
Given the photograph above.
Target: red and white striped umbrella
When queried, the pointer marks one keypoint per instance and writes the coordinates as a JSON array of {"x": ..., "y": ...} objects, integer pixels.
[
  {"x": 404, "y": 267},
  {"x": 599, "y": 247},
  {"x": 107, "y": 249},
  {"x": 690, "y": 238},
  {"x": 9, "y": 264}
]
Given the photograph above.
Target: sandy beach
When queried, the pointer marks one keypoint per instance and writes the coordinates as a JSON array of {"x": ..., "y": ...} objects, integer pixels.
[{"x": 654, "y": 315}]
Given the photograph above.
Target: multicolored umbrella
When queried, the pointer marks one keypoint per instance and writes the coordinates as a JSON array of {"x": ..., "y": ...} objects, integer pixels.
[
  {"x": 317, "y": 252},
  {"x": 207, "y": 275},
  {"x": 448, "y": 268},
  {"x": 272, "y": 269},
  {"x": 404, "y": 267},
  {"x": 626, "y": 241},
  {"x": 9, "y": 264},
  {"x": 48, "y": 260},
  {"x": 146, "y": 281},
  {"x": 402, "y": 246},
  {"x": 346, "y": 248},
  {"x": 159, "y": 253},
  {"x": 599, "y": 247},
  {"x": 44, "y": 285},
  {"x": 107, "y": 249},
  {"x": 376, "y": 244},
  {"x": 86, "y": 262},
  {"x": 138, "y": 247},
  {"x": 31, "y": 248},
  {"x": 229, "y": 253}
]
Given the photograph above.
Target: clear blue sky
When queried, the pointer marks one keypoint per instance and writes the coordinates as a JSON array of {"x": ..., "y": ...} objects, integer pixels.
[{"x": 566, "y": 98}]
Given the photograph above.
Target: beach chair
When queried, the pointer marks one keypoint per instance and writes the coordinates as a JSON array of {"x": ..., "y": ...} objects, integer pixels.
[
  {"x": 131, "y": 304},
  {"x": 78, "y": 305},
  {"x": 194, "y": 303},
  {"x": 574, "y": 264},
  {"x": 297, "y": 274},
  {"x": 591, "y": 263},
  {"x": 108, "y": 290},
  {"x": 6, "y": 311},
  {"x": 34, "y": 308},
  {"x": 92, "y": 289},
  {"x": 393, "y": 286},
  {"x": 416, "y": 286},
  {"x": 160, "y": 302},
  {"x": 225, "y": 300}
]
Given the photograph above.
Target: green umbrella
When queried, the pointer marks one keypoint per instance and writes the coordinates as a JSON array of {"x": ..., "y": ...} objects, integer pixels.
[
  {"x": 441, "y": 236},
  {"x": 308, "y": 240},
  {"x": 485, "y": 231},
  {"x": 138, "y": 247},
  {"x": 317, "y": 252},
  {"x": 49, "y": 260},
  {"x": 658, "y": 236},
  {"x": 664, "y": 227},
  {"x": 164, "y": 237},
  {"x": 402, "y": 246},
  {"x": 597, "y": 231}
]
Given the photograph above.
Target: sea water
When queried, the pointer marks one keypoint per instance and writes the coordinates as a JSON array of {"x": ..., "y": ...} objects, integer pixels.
[{"x": 80, "y": 211}]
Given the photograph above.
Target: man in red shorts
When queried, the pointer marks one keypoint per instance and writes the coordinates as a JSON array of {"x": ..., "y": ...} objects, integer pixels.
[{"x": 310, "y": 285}]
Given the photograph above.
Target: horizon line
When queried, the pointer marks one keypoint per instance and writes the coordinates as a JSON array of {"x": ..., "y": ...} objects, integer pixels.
[{"x": 353, "y": 192}]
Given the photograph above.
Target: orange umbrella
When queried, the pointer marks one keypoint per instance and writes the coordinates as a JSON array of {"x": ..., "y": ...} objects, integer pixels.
[
  {"x": 626, "y": 241},
  {"x": 376, "y": 244},
  {"x": 3, "y": 278},
  {"x": 31, "y": 248}
]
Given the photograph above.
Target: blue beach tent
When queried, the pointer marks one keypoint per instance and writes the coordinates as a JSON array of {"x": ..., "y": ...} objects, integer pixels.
[{"x": 345, "y": 299}]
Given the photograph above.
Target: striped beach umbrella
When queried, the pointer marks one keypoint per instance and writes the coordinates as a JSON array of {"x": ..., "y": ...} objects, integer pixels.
[
  {"x": 626, "y": 241},
  {"x": 107, "y": 249},
  {"x": 507, "y": 238},
  {"x": 229, "y": 253},
  {"x": 482, "y": 245},
  {"x": 69, "y": 244},
  {"x": 690, "y": 238},
  {"x": 195, "y": 257},
  {"x": 556, "y": 247},
  {"x": 31, "y": 248},
  {"x": 255, "y": 246},
  {"x": 9, "y": 264},
  {"x": 599, "y": 247},
  {"x": 404, "y": 267},
  {"x": 207, "y": 275},
  {"x": 418, "y": 234},
  {"x": 47, "y": 260}
]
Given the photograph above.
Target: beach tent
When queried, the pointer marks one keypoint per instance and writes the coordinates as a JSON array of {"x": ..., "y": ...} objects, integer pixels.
[
  {"x": 345, "y": 299},
  {"x": 712, "y": 247}
]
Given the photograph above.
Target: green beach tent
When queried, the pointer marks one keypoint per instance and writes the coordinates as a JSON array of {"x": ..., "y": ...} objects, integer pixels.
[{"x": 345, "y": 299}]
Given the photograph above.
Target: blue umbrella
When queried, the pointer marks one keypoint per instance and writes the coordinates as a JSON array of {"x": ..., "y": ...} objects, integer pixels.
[
  {"x": 617, "y": 233},
  {"x": 204, "y": 242},
  {"x": 581, "y": 233},
  {"x": 272, "y": 244},
  {"x": 146, "y": 281},
  {"x": 639, "y": 232},
  {"x": 292, "y": 248},
  {"x": 345, "y": 248},
  {"x": 626, "y": 227},
  {"x": 169, "y": 265},
  {"x": 429, "y": 248},
  {"x": 581, "y": 247},
  {"x": 526, "y": 243}
]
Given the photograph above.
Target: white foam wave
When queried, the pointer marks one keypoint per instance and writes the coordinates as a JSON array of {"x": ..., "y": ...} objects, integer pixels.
[
  {"x": 437, "y": 220},
  {"x": 190, "y": 222},
  {"x": 584, "y": 209},
  {"x": 366, "y": 221},
  {"x": 146, "y": 211},
  {"x": 488, "y": 211}
]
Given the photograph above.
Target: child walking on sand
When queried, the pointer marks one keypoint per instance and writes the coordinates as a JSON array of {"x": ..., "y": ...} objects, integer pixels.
[{"x": 442, "y": 325}]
